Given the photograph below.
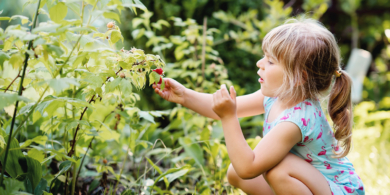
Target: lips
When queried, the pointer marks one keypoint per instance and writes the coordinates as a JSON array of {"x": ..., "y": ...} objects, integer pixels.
[{"x": 261, "y": 80}]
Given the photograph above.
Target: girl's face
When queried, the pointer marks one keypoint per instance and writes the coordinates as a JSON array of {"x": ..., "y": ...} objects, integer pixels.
[{"x": 271, "y": 75}]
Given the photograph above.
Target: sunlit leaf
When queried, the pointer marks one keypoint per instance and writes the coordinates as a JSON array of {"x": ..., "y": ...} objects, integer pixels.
[{"x": 58, "y": 12}]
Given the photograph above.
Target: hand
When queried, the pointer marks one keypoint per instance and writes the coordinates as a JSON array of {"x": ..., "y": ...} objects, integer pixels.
[
  {"x": 224, "y": 105},
  {"x": 173, "y": 91}
]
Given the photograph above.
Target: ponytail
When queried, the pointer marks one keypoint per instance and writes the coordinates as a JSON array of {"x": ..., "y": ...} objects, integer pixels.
[{"x": 340, "y": 111}]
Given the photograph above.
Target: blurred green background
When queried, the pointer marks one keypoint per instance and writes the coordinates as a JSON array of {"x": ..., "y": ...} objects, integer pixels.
[{"x": 235, "y": 29}]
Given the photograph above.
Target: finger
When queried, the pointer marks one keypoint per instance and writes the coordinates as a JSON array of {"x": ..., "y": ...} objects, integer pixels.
[
  {"x": 233, "y": 93},
  {"x": 224, "y": 91}
]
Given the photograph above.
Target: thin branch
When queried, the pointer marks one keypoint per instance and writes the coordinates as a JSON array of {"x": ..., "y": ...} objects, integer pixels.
[{"x": 13, "y": 81}]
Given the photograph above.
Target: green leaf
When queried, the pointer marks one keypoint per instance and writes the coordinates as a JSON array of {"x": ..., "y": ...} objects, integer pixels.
[
  {"x": 162, "y": 84},
  {"x": 110, "y": 86},
  {"x": 192, "y": 149},
  {"x": 12, "y": 186},
  {"x": 23, "y": 18},
  {"x": 125, "y": 86},
  {"x": 58, "y": 12},
  {"x": 36, "y": 154},
  {"x": 155, "y": 78},
  {"x": 3, "y": 57},
  {"x": 34, "y": 172},
  {"x": 41, "y": 187},
  {"x": 173, "y": 176},
  {"x": 158, "y": 170},
  {"x": 173, "y": 170},
  {"x": 60, "y": 84},
  {"x": 64, "y": 166},
  {"x": 13, "y": 167},
  {"x": 146, "y": 116},
  {"x": 112, "y": 15},
  {"x": 53, "y": 48},
  {"x": 5, "y": 18},
  {"x": 16, "y": 60},
  {"x": 38, "y": 139},
  {"x": 116, "y": 36}
]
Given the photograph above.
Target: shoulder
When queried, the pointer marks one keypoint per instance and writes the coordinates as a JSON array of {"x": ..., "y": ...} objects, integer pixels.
[{"x": 304, "y": 115}]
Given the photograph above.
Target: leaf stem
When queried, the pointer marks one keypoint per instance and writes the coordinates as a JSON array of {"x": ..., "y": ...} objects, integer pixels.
[
  {"x": 17, "y": 102},
  {"x": 12, "y": 81}
]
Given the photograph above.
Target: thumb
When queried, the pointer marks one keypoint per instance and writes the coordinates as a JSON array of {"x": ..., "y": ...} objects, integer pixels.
[{"x": 233, "y": 93}]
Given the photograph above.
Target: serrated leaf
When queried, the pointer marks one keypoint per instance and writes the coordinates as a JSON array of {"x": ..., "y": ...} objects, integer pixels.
[
  {"x": 156, "y": 77},
  {"x": 7, "y": 99},
  {"x": 125, "y": 86},
  {"x": 58, "y": 12},
  {"x": 60, "y": 84},
  {"x": 13, "y": 167}
]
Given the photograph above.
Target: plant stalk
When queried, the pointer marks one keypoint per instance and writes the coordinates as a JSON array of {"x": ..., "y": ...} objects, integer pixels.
[{"x": 17, "y": 102}]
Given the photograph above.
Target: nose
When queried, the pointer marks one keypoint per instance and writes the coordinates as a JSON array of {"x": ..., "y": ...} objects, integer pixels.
[{"x": 260, "y": 63}]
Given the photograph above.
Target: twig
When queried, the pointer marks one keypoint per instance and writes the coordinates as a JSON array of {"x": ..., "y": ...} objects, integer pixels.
[
  {"x": 17, "y": 102},
  {"x": 13, "y": 81}
]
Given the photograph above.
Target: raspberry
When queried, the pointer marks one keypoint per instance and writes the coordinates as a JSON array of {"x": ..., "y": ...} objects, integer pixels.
[
  {"x": 110, "y": 25},
  {"x": 122, "y": 75},
  {"x": 159, "y": 71},
  {"x": 160, "y": 81}
]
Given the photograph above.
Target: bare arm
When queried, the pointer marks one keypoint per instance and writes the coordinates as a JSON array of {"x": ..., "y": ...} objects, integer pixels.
[
  {"x": 270, "y": 150},
  {"x": 247, "y": 105}
]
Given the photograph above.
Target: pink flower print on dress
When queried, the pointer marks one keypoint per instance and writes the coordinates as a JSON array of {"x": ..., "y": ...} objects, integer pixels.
[
  {"x": 349, "y": 190},
  {"x": 285, "y": 117},
  {"x": 297, "y": 108},
  {"x": 335, "y": 178},
  {"x": 320, "y": 136},
  {"x": 327, "y": 165},
  {"x": 305, "y": 123},
  {"x": 315, "y": 116},
  {"x": 309, "y": 160},
  {"x": 307, "y": 103}
]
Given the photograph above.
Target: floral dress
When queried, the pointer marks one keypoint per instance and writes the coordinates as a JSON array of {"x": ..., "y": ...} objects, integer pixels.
[{"x": 317, "y": 144}]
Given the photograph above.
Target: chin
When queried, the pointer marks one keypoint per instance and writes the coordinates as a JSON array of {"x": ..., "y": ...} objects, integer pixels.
[{"x": 267, "y": 93}]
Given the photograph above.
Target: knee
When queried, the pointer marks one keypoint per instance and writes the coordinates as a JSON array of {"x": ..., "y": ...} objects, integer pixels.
[{"x": 232, "y": 176}]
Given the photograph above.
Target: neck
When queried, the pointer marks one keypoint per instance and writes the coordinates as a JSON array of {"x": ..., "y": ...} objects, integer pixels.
[{"x": 286, "y": 104}]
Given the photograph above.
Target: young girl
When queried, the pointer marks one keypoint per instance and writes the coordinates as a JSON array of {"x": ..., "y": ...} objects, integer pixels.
[{"x": 299, "y": 153}]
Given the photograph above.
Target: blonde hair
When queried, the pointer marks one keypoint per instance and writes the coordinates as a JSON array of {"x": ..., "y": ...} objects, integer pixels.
[{"x": 310, "y": 56}]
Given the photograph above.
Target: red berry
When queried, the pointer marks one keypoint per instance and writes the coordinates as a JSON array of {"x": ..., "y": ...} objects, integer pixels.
[
  {"x": 160, "y": 81},
  {"x": 159, "y": 71}
]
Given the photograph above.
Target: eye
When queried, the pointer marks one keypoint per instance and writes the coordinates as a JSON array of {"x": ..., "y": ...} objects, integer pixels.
[{"x": 270, "y": 62}]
